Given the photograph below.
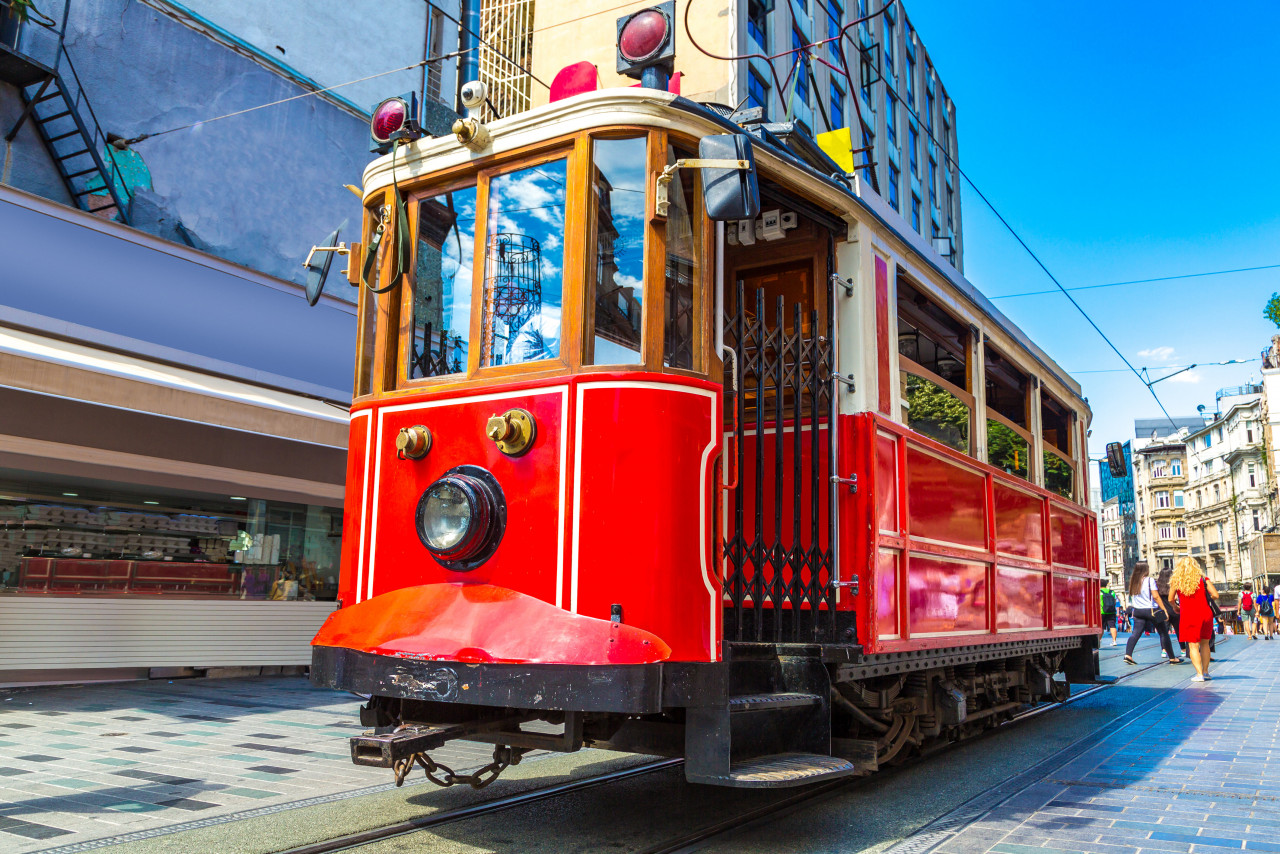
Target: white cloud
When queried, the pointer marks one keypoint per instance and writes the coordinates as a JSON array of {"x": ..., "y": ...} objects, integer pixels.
[
  {"x": 1159, "y": 354},
  {"x": 1186, "y": 377}
]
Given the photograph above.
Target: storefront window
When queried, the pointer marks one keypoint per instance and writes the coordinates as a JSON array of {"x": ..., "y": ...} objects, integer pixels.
[
  {"x": 616, "y": 325},
  {"x": 120, "y": 544},
  {"x": 524, "y": 265},
  {"x": 442, "y": 284},
  {"x": 937, "y": 413}
]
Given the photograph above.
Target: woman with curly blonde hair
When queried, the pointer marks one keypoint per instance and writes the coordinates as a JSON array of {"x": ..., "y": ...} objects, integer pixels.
[{"x": 1195, "y": 627}]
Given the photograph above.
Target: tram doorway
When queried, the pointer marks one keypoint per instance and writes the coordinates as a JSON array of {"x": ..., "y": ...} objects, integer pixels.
[{"x": 777, "y": 558}]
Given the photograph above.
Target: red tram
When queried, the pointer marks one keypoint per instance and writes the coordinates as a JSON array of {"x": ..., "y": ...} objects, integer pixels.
[{"x": 777, "y": 491}]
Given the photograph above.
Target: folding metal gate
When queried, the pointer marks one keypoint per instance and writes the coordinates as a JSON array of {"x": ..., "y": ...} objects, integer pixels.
[{"x": 778, "y": 584}]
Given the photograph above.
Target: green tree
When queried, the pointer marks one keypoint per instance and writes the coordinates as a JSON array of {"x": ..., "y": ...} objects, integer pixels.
[
  {"x": 1272, "y": 310},
  {"x": 1006, "y": 450},
  {"x": 938, "y": 414}
]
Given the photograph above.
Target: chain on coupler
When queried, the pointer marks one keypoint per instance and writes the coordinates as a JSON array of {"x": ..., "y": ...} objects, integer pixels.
[{"x": 442, "y": 775}]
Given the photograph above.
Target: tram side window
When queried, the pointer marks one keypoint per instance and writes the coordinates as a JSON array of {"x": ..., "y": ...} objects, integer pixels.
[
  {"x": 442, "y": 284},
  {"x": 1008, "y": 440},
  {"x": 1055, "y": 419},
  {"x": 524, "y": 265},
  {"x": 615, "y": 324},
  {"x": 932, "y": 348},
  {"x": 682, "y": 320}
]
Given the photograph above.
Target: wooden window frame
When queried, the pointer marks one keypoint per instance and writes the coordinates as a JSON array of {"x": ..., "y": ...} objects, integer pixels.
[{"x": 908, "y": 366}]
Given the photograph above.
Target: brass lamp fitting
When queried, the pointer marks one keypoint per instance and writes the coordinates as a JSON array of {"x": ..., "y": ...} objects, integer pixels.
[
  {"x": 513, "y": 431},
  {"x": 412, "y": 443}
]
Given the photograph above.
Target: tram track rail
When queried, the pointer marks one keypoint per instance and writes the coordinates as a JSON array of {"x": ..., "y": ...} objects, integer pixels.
[{"x": 686, "y": 842}]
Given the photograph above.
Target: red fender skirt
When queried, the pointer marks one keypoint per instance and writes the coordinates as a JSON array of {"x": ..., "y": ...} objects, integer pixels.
[{"x": 481, "y": 623}]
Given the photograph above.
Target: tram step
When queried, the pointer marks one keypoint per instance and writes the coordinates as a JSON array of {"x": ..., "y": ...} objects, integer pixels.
[
  {"x": 772, "y": 702},
  {"x": 786, "y": 769}
]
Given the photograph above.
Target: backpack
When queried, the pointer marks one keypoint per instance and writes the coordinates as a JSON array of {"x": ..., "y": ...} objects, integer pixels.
[
  {"x": 1108, "y": 601},
  {"x": 1264, "y": 607},
  {"x": 1246, "y": 600}
]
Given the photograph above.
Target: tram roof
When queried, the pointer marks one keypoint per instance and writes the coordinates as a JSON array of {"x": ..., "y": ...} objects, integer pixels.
[{"x": 637, "y": 107}]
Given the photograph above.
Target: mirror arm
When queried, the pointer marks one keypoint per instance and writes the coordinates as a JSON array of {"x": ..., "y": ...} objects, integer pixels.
[
  {"x": 341, "y": 249},
  {"x": 662, "y": 201}
]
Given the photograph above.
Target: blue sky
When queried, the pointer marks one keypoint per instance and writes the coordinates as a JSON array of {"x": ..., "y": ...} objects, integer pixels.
[{"x": 1123, "y": 141}]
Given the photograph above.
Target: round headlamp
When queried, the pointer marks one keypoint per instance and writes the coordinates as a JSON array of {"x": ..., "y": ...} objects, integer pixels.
[{"x": 461, "y": 518}]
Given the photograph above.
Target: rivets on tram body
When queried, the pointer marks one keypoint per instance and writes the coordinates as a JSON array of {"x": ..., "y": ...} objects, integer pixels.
[
  {"x": 513, "y": 431},
  {"x": 412, "y": 443}
]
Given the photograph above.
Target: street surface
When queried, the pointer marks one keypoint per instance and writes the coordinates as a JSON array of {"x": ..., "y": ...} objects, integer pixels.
[{"x": 259, "y": 765}]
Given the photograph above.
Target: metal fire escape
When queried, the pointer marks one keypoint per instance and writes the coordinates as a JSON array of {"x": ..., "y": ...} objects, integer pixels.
[{"x": 55, "y": 103}]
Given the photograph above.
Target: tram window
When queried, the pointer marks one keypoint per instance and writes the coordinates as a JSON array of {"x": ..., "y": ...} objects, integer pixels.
[
  {"x": 616, "y": 321},
  {"x": 933, "y": 346},
  {"x": 524, "y": 265},
  {"x": 1008, "y": 441},
  {"x": 442, "y": 284},
  {"x": 1055, "y": 420},
  {"x": 682, "y": 320}
]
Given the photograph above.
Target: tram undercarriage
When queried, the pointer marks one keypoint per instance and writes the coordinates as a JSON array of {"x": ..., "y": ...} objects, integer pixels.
[{"x": 767, "y": 716}]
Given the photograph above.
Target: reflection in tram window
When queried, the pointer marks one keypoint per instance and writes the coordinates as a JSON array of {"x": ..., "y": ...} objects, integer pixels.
[
  {"x": 615, "y": 324},
  {"x": 682, "y": 320},
  {"x": 1059, "y": 477},
  {"x": 442, "y": 284},
  {"x": 1055, "y": 419},
  {"x": 1007, "y": 450},
  {"x": 937, "y": 413},
  {"x": 524, "y": 266}
]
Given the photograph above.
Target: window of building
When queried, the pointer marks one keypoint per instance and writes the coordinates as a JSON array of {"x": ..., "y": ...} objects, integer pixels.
[
  {"x": 615, "y": 322},
  {"x": 1208, "y": 466},
  {"x": 1008, "y": 439},
  {"x": 1199, "y": 503},
  {"x": 890, "y": 45},
  {"x": 1055, "y": 430},
  {"x": 1181, "y": 531},
  {"x": 757, "y": 91},
  {"x": 1162, "y": 499},
  {"x": 891, "y": 117},
  {"x": 523, "y": 265},
  {"x": 1217, "y": 496},
  {"x": 435, "y": 68},
  {"x": 928, "y": 106},
  {"x": 1218, "y": 435},
  {"x": 945, "y": 140},
  {"x": 1166, "y": 532},
  {"x": 1257, "y": 521},
  {"x": 915, "y": 211},
  {"x": 1248, "y": 436},
  {"x": 910, "y": 73},
  {"x": 865, "y": 77},
  {"x": 932, "y": 348},
  {"x": 933, "y": 179},
  {"x": 1208, "y": 440},
  {"x": 835, "y": 16},
  {"x": 913, "y": 144},
  {"x": 894, "y": 178},
  {"x": 837, "y": 107},
  {"x": 868, "y": 145},
  {"x": 800, "y": 58},
  {"x": 1175, "y": 468},
  {"x": 1178, "y": 498},
  {"x": 1253, "y": 477},
  {"x": 442, "y": 284},
  {"x": 758, "y": 23},
  {"x": 1157, "y": 468}
]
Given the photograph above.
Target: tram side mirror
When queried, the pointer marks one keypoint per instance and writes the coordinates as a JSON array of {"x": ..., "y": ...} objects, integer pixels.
[
  {"x": 729, "y": 189},
  {"x": 317, "y": 273},
  {"x": 1115, "y": 460}
]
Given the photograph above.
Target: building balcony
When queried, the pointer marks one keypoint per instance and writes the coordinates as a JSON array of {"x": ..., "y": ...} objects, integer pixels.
[
  {"x": 1215, "y": 548},
  {"x": 1197, "y": 550}
]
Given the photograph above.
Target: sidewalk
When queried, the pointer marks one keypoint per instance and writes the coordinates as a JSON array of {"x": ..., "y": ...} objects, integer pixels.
[
  {"x": 1192, "y": 771},
  {"x": 85, "y": 762}
]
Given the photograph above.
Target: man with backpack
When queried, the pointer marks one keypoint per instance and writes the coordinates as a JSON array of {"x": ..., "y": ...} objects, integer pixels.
[
  {"x": 1248, "y": 613},
  {"x": 1107, "y": 598}
]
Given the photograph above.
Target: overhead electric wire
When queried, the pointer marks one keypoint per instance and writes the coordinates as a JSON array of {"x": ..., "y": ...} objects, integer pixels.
[
  {"x": 1167, "y": 367},
  {"x": 1145, "y": 281}
]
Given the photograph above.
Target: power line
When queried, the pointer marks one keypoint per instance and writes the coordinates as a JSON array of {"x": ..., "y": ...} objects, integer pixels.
[
  {"x": 1166, "y": 367},
  {"x": 1145, "y": 281}
]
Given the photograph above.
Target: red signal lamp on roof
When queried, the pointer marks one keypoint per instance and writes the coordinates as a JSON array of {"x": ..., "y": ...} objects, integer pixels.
[
  {"x": 394, "y": 119},
  {"x": 647, "y": 45}
]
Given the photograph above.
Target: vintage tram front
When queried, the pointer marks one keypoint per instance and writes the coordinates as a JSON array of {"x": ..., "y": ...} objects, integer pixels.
[{"x": 783, "y": 495}]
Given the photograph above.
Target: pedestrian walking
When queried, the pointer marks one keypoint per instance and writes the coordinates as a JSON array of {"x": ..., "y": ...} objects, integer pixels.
[
  {"x": 1247, "y": 611},
  {"x": 1107, "y": 598},
  {"x": 1175, "y": 612},
  {"x": 1265, "y": 603},
  {"x": 1149, "y": 611},
  {"x": 1194, "y": 592}
]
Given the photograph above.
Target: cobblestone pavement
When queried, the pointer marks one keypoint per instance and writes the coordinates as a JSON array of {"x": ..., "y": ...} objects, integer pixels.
[
  {"x": 80, "y": 763},
  {"x": 1190, "y": 771}
]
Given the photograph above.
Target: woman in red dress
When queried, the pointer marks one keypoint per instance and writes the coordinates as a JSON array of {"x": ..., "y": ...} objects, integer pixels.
[{"x": 1195, "y": 627}]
